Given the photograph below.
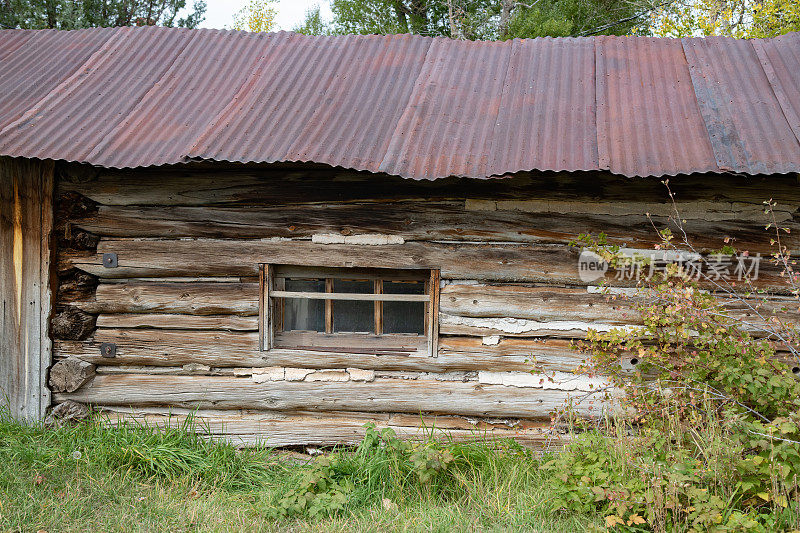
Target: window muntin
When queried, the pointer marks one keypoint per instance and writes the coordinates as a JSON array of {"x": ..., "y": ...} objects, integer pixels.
[{"x": 379, "y": 311}]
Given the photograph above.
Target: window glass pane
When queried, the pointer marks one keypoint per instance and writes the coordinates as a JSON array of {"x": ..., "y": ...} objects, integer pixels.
[
  {"x": 353, "y": 316},
  {"x": 302, "y": 314},
  {"x": 404, "y": 317}
]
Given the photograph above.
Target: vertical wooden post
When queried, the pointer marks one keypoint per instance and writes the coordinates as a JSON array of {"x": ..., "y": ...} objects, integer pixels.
[
  {"x": 266, "y": 308},
  {"x": 328, "y": 307},
  {"x": 378, "y": 285},
  {"x": 26, "y": 223},
  {"x": 433, "y": 313}
]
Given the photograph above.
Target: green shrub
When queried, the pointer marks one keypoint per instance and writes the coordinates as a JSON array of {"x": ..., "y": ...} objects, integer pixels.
[{"x": 713, "y": 440}]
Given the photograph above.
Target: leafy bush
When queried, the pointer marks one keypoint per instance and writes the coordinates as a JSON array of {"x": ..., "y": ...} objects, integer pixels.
[{"x": 713, "y": 440}]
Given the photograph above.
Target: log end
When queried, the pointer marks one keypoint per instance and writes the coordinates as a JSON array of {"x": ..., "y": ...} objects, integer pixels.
[
  {"x": 68, "y": 412},
  {"x": 70, "y": 374}
]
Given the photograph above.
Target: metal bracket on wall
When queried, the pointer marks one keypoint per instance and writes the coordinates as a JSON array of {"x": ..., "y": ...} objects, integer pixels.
[
  {"x": 108, "y": 350},
  {"x": 110, "y": 260}
]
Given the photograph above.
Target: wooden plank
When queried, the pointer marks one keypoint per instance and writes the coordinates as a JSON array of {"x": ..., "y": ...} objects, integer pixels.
[
  {"x": 174, "y": 321},
  {"x": 10, "y": 233},
  {"x": 381, "y": 395},
  {"x": 383, "y": 297},
  {"x": 232, "y": 349},
  {"x": 251, "y": 428},
  {"x": 198, "y": 298},
  {"x": 26, "y": 221},
  {"x": 47, "y": 281}
]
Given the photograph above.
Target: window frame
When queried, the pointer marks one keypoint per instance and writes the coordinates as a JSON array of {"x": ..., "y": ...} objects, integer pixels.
[{"x": 271, "y": 297}]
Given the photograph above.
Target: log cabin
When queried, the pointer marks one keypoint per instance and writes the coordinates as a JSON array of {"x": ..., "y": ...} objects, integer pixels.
[{"x": 287, "y": 237}]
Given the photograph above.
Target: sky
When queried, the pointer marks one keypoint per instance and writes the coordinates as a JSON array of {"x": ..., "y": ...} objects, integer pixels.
[{"x": 219, "y": 13}]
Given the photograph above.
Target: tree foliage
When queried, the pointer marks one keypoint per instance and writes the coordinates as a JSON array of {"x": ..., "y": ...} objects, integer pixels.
[
  {"x": 558, "y": 18},
  {"x": 479, "y": 19},
  {"x": 313, "y": 23},
  {"x": 258, "y": 15},
  {"x": 74, "y": 14},
  {"x": 509, "y": 19},
  {"x": 733, "y": 18}
]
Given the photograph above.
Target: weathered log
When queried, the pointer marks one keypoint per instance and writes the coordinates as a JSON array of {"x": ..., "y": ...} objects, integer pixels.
[
  {"x": 173, "y": 321},
  {"x": 534, "y": 303},
  {"x": 69, "y": 375},
  {"x": 224, "y": 349},
  {"x": 72, "y": 206},
  {"x": 524, "y": 310},
  {"x": 252, "y": 428},
  {"x": 70, "y": 323},
  {"x": 193, "y": 185},
  {"x": 75, "y": 285},
  {"x": 67, "y": 412},
  {"x": 168, "y": 348},
  {"x": 508, "y": 354},
  {"x": 520, "y": 327},
  {"x": 553, "y": 264},
  {"x": 211, "y": 257},
  {"x": 381, "y": 395},
  {"x": 191, "y": 298},
  {"x": 77, "y": 173},
  {"x": 540, "y": 222},
  {"x": 77, "y": 239}
]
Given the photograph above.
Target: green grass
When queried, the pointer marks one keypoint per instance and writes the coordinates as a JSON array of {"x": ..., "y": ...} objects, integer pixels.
[{"x": 137, "y": 479}]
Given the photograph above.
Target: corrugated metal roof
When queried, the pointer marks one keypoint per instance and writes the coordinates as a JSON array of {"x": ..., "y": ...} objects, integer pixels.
[
  {"x": 411, "y": 106},
  {"x": 649, "y": 122},
  {"x": 745, "y": 123},
  {"x": 34, "y": 64},
  {"x": 780, "y": 58}
]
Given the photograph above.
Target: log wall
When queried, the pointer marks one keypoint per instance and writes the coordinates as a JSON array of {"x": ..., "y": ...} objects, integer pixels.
[{"x": 182, "y": 306}]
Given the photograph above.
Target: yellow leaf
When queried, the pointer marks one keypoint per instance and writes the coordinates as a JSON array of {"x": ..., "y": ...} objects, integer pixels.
[
  {"x": 636, "y": 519},
  {"x": 764, "y": 496},
  {"x": 612, "y": 520}
]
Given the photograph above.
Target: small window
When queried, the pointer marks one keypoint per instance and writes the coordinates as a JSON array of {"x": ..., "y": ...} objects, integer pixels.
[{"x": 373, "y": 311}]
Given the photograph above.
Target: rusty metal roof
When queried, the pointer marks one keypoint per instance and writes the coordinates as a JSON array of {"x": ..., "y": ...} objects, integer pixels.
[{"x": 406, "y": 105}]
